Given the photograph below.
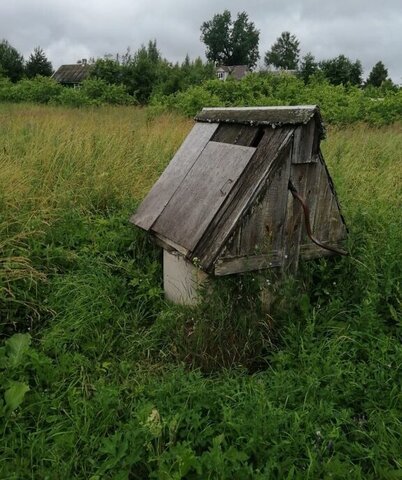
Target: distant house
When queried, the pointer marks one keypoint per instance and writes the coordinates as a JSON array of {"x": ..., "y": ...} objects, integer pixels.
[
  {"x": 72, "y": 75},
  {"x": 223, "y": 72}
]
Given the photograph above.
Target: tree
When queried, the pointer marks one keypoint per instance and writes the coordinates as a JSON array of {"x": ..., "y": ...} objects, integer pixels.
[
  {"x": 284, "y": 52},
  {"x": 378, "y": 75},
  {"x": 11, "y": 62},
  {"x": 308, "y": 67},
  {"x": 231, "y": 42},
  {"x": 107, "y": 69},
  {"x": 38, "y": 64},
  {"x": 341, "y": 70},
  {"x": 154, "y": 55},
  {"x": 141, "y": 72}
]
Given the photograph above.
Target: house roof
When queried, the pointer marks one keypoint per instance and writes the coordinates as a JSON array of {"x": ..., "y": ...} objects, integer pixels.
[
  {"x": 235, "y": 71},
  {"x": 75, "y": 73},
  {"x": 212, "y": 181}
]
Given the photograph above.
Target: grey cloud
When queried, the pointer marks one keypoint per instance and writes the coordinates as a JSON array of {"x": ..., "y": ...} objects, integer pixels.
[{"x": 72, "y": 29}]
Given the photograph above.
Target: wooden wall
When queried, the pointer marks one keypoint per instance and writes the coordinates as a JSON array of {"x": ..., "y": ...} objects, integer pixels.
[{"x": 273, "y": 233}]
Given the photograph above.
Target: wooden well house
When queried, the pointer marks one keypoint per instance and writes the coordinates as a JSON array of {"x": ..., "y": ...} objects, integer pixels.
[{"x": 247, "y": 190}]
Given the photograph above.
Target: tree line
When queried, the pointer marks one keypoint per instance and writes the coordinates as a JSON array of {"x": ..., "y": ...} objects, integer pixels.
[
  {"x": 145, "y": 73},
  {"x": 236, "y": 41},
  {"x": 14, "y": 67}
]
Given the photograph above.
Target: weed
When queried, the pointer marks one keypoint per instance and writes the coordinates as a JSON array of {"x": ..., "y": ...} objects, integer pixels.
[{"x": 114, "y": 382}]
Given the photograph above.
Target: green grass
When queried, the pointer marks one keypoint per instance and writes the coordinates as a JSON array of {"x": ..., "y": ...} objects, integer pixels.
[{"x": 123, "y": 385}]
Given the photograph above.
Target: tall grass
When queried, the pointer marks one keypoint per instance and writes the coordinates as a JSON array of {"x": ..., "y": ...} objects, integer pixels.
[
  {"x": 55, "y": 161},
  {"x": 116, "y": 383},
  {"x": 51, "y": 157}
]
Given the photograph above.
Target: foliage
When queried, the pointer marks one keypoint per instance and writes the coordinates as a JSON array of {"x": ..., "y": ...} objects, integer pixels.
[
  {"x": 339, "y": 104},
  {"x": 231, "y": 42},
  {"x": 12, "y": 355},
  {"x": 341, "y": 70},
  {"x": 106, "y": 384},
  {"x": 38, "y": 64},
  {"x": 46, "y": 90},
  {"x": 175, "y": 78},
  {"x": 378, "y": 75},
  {"x": 99, "y": 91},
  {"x": 284, "y": 53},
  {"x": 308, "y": 67},
  {"x": 107, "y": 69},
  {"x": 146, "y": 73},
  {"x": 37, "y": 90},
  {"x": 11, "y": 62},
  {"x": 140, "y": 74}
]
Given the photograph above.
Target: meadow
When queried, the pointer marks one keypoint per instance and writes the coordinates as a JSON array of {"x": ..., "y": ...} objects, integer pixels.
[{"x": 101, "y": 378}]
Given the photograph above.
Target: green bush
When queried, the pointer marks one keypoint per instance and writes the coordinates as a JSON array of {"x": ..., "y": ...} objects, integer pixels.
[
  {"x": 5, "y": 89},
  {"x": 46, "y": 90},
  {"x": 72, "y": 97},
  {"x": 188, "y": 102},
  {"x": 339, "y": 104},
  {"x": 113, "y": 382},
  {"x": 102, "y": 92},
  {"x": 37, "y": 90}
]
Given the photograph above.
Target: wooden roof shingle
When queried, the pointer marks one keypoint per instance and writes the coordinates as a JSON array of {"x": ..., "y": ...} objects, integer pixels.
[{"x": 75, "y": 73}]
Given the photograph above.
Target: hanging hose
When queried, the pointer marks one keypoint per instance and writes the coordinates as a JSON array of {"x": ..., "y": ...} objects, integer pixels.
[{"x": 310, "y": 234}]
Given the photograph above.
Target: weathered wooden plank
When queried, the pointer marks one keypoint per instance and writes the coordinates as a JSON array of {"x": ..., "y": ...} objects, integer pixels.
[
  {"x": 326, "y": 222},
  {"x": 304, "y": 141},
  {"x": 232, "y": 246},
  {"x": 310, "y": 250},
  {"x": 160, "y": 194},
  {"x": 337, "y": 227},
  {"x": 263, "y": 116},
  {"x": 263, "y": 229},
  {"x": 169, "y": 245},
  {"x": 202, "y": 192},
  {"x": 324, "y": 199},
  {"x": 228, "y": 266},
  {"x": 314, "y": 171},
  {"x": 236, "y": 134},
  {"x": 268, "y": 156},
  {"x": 337, "y": 230},
  {"x": 294, "y": 219},
  {"x": 252, "y": 238}
]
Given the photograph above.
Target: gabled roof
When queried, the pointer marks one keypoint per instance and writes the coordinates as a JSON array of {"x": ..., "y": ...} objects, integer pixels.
[
  {"x": 75, "y": 73},
  {"x": 211, "y": 182},
  {"x": 235, "y": 71}
]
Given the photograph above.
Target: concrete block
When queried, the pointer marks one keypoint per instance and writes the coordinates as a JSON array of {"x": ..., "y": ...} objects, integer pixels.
[{"x": 181, "y": 279}]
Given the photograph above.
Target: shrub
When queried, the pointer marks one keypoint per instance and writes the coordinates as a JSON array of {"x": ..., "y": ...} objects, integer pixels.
[
  {"x": 47, "y": 90},
  {"x": 72, "y": 97},
  {"x": 339, "y": 104},
  {"x": 100, "y": 91},
  {"x": 188, "y": 102},
  {"x": 38, "y": 90}
]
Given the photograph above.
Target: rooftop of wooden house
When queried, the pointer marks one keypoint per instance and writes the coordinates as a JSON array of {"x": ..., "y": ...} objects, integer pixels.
[
  {"x": 72, "y": 74},
  {"x": 236, "y": 72},
  {"x": 225, "y": 194}
]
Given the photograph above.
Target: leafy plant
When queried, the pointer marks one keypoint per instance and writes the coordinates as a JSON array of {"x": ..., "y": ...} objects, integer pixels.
[
  {"x": 13, "y": 355},
  {"x": 123, "y": 384}
]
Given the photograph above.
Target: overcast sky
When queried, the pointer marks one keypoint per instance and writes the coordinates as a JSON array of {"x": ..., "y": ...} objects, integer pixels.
[{"x": 72, "y": 29}]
